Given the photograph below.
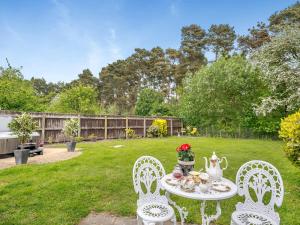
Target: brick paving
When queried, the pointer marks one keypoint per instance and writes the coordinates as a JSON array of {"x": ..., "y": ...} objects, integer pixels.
[{"x": 109, "y": 219}]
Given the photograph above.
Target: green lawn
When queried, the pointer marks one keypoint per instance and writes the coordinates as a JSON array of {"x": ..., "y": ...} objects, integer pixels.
[{"x": 100, "y": 180}]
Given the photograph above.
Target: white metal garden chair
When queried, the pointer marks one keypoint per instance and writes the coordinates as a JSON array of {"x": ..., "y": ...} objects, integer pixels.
[
  {"x": 254, "y": 180},
  {"x": 152, "y": 206}
]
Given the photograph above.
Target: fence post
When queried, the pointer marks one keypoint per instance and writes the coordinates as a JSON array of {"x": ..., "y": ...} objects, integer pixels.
[
  {"x": 171, "y": 123},
  {"x": 126, "y": 134},
  {"x": 79, "y": 130},
  {"x": 105, "y": 127},
  {"x": 43, "y": 127},
  {"x": 144, "y": 127}
]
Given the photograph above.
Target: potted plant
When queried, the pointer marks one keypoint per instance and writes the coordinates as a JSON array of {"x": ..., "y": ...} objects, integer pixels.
[
  {"x": 186, "y": 158},
  {"x": 71, "y": 129},
  {"x": 22, "y": 126}
]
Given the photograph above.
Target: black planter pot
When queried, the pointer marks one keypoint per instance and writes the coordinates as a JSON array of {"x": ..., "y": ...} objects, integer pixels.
[
  {"x": 71, "y": 146},
  {"x": 21, "y": 156}
]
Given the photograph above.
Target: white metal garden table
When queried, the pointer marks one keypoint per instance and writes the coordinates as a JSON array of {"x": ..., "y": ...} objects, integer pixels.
[{"x": 211, "y": 195}]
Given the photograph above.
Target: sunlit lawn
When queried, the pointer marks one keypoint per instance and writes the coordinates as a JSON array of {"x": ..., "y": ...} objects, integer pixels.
[{"x": 100, "y": 180}]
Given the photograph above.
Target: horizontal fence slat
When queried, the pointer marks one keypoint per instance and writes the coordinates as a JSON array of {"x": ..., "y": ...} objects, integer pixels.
[{"x": 50, "y": 125}]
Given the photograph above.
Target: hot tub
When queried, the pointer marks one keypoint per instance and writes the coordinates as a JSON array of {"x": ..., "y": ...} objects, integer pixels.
[{"x": 8, "y": 141}]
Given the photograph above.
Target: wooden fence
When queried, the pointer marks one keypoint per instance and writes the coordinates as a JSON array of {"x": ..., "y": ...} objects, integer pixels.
[{"x": 103, "y": 127}]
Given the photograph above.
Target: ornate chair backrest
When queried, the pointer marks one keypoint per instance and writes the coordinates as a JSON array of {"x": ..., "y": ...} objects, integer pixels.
[
  {"x": 259, "y": 178},
  {"x": 147, "y": 173}
]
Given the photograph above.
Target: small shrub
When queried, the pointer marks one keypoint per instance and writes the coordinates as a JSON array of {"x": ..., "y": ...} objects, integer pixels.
[
  {"x": 162, "y": 127},
  {"x": 153, "y": 131},
  {"x": 78, "y": 139},
  {"x": 92, "y": 137},
  {"x": 130, "y": 133},
  {"x": 290, "y": 133},
  {"x": 50, "y": 140},
  {"x": 23, "y": 126},
  {"x": 71, "y": 128},
  {"x": 194, "y": 131}
]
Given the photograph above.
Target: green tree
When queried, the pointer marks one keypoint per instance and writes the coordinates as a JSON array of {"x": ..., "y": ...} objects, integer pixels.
[
  {"x": 257, "y": 36},
  {"x": 287, "y": 17},
  {"x": 88, "y": 79},
  {"x": 77, "y": 99},
  {"x": 148, "y": 101},
  {"x": 280, "y": 62},
  {"x": 192, "y": 48},
  {"x": 119, "y": 85},
  {"x": 221, "y": 94},
  {"x": 15, "y": 92},
  {"x": 221, "y": 39}
]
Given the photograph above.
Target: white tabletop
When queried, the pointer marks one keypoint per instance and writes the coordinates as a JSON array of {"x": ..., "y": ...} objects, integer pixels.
[{"x": 197, "y": 194}]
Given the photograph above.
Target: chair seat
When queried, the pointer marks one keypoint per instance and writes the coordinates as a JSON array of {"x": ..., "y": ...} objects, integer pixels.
[
  {"x": 251, "y": 218},
  {"x": 155, "y": 212}
]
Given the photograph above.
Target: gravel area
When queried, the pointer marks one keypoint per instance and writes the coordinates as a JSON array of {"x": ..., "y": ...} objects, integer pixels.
[{"x": 50, "y": 155}]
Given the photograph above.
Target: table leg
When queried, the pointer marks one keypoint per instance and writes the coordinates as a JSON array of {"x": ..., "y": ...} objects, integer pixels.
[
  {"x": 182, "y": 210},
  {"x": 206, "y": 219}
]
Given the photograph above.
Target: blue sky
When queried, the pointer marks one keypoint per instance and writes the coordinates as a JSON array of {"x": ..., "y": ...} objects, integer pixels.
[{"x": 57, "y": 39}]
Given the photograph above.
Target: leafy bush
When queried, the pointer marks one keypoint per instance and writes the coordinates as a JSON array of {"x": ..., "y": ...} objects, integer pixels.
[
  {"x": 23, "y": 126},
  {"x": 194, "y": 131},
  {"x": 162, "y": 127},
  {"x": 290, "y": 133},
  {"x": 92, "y": 137},
  {"x": 153, "y": 131},
  {"x": 50, "y": 140},
  {"x": 221, "y": 95},
  {"x": 77, "y": 99},
  {"x": 150, "y": 102},
  {"x": 79, "y": 139},
  {"x": 71, "y": 128},
  {"x": 130, "y": 133}
]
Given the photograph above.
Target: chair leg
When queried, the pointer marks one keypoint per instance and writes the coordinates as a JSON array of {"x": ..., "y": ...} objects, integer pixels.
[
  {"x": 174, "y": 220},
  {"x": 138, "y": 220}
]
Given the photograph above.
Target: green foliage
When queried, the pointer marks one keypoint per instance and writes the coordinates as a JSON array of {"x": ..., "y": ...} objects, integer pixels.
[
  {"x": 71, "y": 128},
  {"x": 221, "y": 94},
  {"x": 162, "y": 127},
  {"x": 92, "y": 137},
  {"x": 77, "y": 99},
  {"x": 287, "y": 17},
  {"x": 290, "y": 133},
  {"x": 279, "y": 61},
  {"x": 153, "y": 131},
  {"x": 23, "y": 126},
  {"x": 78, "y": 139},
  {"x": 149, "y": 102},
  {"x": 50, "y": 140},
  {"x": 185, "y": 153},
  {"x": 47, "y": 183},
  {"x": 15, "y": 92},
  {"x": 221, "y": 39},
  {"x": 257, "y": 37},
  {"x": 130, "y": 133}
]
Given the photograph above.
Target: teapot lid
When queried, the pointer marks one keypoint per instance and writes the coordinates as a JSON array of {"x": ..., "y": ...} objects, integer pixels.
[{"x": 214, "y": 156}]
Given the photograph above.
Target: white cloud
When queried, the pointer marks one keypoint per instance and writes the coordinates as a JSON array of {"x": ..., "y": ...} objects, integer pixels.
[{"x": 174, "y": 8}]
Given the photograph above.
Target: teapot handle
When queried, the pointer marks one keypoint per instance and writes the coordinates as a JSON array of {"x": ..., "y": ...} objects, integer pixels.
[{"x": 225, "y": 161}]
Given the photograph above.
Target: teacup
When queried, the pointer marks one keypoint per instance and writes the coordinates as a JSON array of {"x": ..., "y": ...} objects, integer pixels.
[
  {"x": 195, "y": 176},
  {"x": 204, "y": 177}
]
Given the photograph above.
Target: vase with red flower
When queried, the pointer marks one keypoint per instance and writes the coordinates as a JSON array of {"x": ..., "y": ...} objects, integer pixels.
[{"x": 186, "y": 158}]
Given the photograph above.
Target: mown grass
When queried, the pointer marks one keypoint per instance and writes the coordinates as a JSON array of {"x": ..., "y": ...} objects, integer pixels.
[{"x": 100, "y": 180}]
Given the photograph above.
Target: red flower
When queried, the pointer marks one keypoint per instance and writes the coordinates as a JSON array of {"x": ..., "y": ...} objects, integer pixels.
[{"x": 183, "y": 147}]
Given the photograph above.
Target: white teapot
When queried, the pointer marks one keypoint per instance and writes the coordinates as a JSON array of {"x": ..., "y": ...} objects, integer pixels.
[{"x": 214, "y": 170}]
